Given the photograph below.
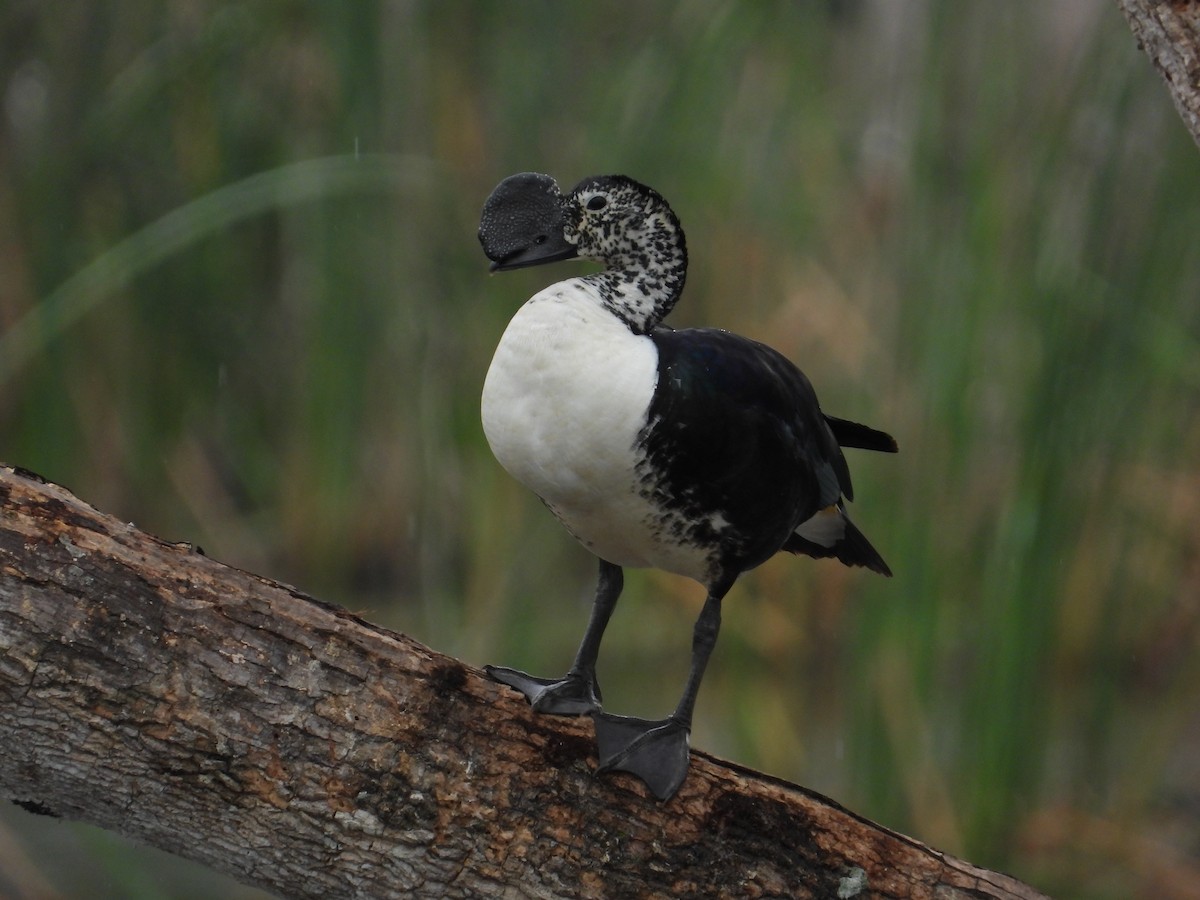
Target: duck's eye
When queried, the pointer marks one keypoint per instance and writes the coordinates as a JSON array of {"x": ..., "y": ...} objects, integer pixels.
[{"x": 597, "y": 202}]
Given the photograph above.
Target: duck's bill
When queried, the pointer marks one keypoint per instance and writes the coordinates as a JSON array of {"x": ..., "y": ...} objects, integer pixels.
[
  {"x": 522, "y": 223},
  {"x": 536, "y": 255}
]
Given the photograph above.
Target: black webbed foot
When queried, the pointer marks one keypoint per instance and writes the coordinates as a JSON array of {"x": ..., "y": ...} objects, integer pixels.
[
  {"x": 571, "y": 695},
  {"x": 654, "y": 751}
]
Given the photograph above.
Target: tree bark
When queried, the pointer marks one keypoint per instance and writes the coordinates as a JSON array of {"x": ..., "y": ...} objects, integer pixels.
[
  {"x": 235, "y": 721},
  {"x": 1169, "y": 32}
]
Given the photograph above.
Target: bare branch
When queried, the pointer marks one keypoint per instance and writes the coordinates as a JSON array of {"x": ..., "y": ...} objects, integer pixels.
[
  {"x": 232, "y": 720},
  {"x": 1169, "y": 32}
]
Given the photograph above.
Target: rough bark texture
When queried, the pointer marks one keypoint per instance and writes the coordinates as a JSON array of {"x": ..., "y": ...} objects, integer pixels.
[
  {"x": 1169, "y": 32},
  {"x": 232, "y": 720}
]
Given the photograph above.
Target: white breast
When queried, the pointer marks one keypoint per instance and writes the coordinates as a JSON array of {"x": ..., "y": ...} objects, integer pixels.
[{"x": 564, "y": 400}]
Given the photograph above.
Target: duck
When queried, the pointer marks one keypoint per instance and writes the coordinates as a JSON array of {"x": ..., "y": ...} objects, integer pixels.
[{"x": 694, "y": 450}]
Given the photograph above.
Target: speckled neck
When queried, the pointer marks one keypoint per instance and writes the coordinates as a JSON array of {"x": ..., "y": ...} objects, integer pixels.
[{"x": 638, "y": 238}]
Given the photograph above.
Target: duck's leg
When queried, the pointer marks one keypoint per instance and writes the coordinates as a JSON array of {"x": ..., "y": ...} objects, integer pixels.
[
  {"x": 576, "y": 693},
  {"x": 656, "y": 751}
]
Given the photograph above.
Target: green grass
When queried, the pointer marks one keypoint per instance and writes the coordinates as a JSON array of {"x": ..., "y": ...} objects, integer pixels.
[{"x": 242, "y": 304}]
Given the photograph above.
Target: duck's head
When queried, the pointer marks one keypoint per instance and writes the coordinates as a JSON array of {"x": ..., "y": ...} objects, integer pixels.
[{"x": 610, "y": 219}]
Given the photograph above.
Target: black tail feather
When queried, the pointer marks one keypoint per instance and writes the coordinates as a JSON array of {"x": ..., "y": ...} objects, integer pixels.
[
  {"x": 861, "y": 437},
  {"x": 852, "y": 550}
]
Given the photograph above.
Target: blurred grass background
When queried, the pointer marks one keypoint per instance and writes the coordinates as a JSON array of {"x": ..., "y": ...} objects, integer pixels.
[{"x": 242, "y": 304}]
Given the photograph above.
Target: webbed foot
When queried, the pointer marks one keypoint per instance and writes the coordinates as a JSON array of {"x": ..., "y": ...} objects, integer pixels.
[
  {"x": 571, "y": 695},
  {"x": 654, "y": 751}
]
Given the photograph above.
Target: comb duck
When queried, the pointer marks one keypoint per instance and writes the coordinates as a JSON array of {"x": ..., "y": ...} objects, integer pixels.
[{"x": 696, "y": 451}]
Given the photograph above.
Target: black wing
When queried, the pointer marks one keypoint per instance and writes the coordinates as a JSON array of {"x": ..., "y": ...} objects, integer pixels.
[{"x": 735, "y": 428}]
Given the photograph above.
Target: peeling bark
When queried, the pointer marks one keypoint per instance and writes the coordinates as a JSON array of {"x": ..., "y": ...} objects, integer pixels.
[
  {"x": 1169, "y": 32},
  {"x": 232, "y": 720}
]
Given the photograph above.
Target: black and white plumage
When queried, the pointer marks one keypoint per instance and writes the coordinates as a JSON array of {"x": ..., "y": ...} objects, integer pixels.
[{"x": 695, "y": 451}]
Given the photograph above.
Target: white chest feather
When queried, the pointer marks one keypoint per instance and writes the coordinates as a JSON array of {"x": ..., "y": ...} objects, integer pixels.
[{"x": 563, "y": 403}]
